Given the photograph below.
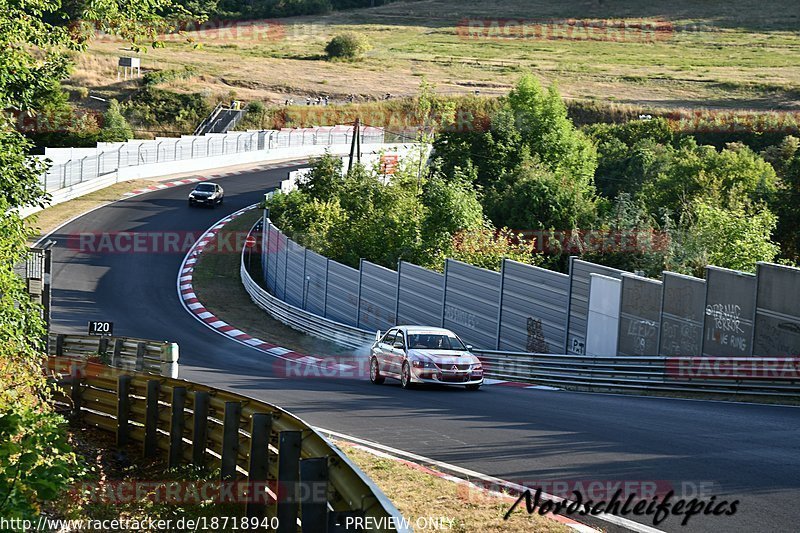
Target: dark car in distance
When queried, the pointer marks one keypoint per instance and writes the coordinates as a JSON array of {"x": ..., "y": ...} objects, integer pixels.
[{"x": 208, "y": 193}]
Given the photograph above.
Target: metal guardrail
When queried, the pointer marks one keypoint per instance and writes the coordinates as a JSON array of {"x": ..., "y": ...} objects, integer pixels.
[
  {"x": 299, "y": 319},
  {"x": 248, "y": 440},
  {"x": 303, "y": 321},
  {"x": 640, "y": 373},
  {"x": 597, "y": 373},
  {"x": 157, "y": 357}
]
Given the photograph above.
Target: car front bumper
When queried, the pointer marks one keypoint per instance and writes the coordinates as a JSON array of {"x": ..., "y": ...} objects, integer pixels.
[{"x": 433, "y": 376}]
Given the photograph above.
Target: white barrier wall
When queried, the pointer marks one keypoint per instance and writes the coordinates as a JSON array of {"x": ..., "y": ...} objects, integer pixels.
[
  {"x": 602, "y": 322},
  {"x": 140, "y": 159}
]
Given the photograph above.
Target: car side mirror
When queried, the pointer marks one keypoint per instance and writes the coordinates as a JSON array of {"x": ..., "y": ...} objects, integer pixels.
[{"x": 469, "y": 347}]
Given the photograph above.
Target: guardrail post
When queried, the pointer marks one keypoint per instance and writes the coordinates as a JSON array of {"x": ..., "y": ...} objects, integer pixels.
[
  {"x": 141, "y": 348},
  {"x": 102, "y": 346},
  {"x": 75, "y": 388},
  {"x": 258, "y": 469},
  {"x": 117, "y": 354},
  {"x": 314, "y": 493},
  {"x": 60, "y": 345},
  {"x": 123, "y": 409},
  {"x": 169, "y": 360},
  {"x": 500, "y": 303},
  {"x": 230, "y": 439},
  {"x": 288, "y": 477},
  {"x": 177, "y": 424},
  {"x": 151, "y": 418},
  {"x": 200, "y": 429}
]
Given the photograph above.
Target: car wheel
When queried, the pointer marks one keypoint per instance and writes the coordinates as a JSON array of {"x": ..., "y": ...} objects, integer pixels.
[
  {"x": 220, "y": 201},
  {"x": 405, "y": 377},
  {"x": 191, "y": 203},
  {"x": 473, "y": 387},
  {"x": 375, "y": 372}
]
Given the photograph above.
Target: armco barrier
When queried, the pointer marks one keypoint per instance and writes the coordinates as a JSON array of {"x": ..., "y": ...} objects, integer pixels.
[
  {"x": 266, "y": 449},
  {"x": 157, "y": 357},
  {"x": 615, "y": 373},
  {"x": 635, "y": 373}
]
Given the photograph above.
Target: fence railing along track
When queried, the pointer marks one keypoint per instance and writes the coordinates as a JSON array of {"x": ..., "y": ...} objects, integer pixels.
[
  {"x": 157, "y": 357},
  {"x": 248, "y": 440}
]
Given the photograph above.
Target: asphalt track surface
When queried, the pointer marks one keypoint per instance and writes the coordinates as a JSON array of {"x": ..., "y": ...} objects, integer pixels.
[{"x": 733, "y": 451}]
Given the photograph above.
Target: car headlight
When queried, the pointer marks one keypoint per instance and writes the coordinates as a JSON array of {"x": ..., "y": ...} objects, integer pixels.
[{"x": 423, "y": 364}]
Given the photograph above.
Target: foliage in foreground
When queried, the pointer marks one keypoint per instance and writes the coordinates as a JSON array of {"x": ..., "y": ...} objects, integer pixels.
[{"x": 36, "y": 463}]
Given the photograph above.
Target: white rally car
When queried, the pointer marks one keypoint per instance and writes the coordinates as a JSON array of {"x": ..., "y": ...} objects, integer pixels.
[{"x": 417, "y": 354}]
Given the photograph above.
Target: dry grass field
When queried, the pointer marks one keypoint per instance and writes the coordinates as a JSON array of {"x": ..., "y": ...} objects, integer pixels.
[{"x": 734, "y": 54}]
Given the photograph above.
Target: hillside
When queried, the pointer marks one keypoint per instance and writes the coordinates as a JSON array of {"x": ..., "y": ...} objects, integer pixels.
[{"x": 732, "y": 54}]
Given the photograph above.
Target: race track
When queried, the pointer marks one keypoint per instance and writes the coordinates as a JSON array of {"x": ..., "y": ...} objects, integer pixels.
[{"x": 739, "y": 451}]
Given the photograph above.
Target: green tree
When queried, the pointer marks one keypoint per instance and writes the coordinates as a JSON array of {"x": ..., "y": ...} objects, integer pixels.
[
  {"x": 325, "y": 180},
  {"x": 785, "y": 159},
  {"x": 349, "y": 46},
  {"x": 538, "y": 198},
  {"x": 735, "y": 239},
  {"x": 115, "y": 126},
  {"x": 530, "y": 147},
  {"x": 626, "y": 151},
  {"x": 675, "y": 178},
  {"x": 541, "y": 119},
  {"x": 487, "y": 247},
  {"x": 450, "y": 206},
  {"x": 359, "y": 216}
]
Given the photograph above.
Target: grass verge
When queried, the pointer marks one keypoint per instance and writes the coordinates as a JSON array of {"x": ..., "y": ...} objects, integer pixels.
[
  {"x": 420, "y": 495},
  {"x": 53, "y": 216}
]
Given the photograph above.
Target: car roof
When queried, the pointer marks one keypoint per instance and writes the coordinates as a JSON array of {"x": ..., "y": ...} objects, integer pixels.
[
  {"x": 424, "y": 329},
  {"x": 205, "y": 183}
]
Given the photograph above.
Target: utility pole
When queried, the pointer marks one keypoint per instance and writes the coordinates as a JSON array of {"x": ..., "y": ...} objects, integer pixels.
[
  {"x": 353, "y": 145},
  {"x": 358, "y": 144}
]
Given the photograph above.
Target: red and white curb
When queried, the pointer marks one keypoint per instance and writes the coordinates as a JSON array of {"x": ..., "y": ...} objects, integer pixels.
[
  {"x": 192, "y": 304},
  {"x": 196, "y": 179}
]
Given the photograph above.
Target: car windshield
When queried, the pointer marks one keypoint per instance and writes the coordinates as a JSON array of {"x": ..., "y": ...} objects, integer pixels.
[
  {"x": 434, "y": 341},
  {"x": 205, "y": 187}
]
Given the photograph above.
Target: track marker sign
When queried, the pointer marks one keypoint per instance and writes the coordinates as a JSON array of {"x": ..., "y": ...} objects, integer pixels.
[
  {"x": 389, "y": 164},
  {"x": 101, "y": 328}
]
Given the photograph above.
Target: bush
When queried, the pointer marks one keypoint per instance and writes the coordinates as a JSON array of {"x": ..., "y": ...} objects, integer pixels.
[
  {"x": 347, "y": 46},
  {"x": 115, "y": 127},
  {"x": 80, "y": 93},
  {"x": 155, "y": 77},
  {"x": 153, "y": 108},
  {"x": 256, "y": 107}
]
